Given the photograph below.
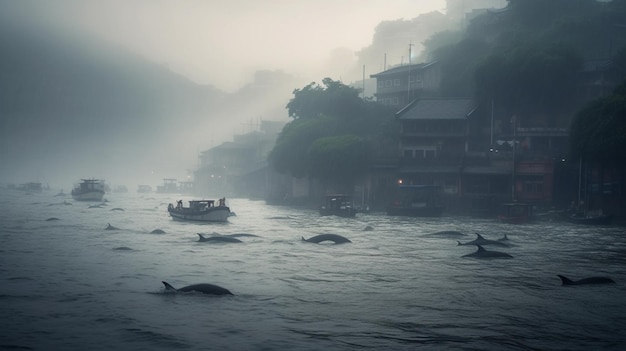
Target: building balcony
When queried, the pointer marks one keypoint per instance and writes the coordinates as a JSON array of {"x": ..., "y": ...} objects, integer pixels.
[{"x": 434, "y": 134}]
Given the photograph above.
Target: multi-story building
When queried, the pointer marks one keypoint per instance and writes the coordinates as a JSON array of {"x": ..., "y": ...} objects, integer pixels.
[
  {"x": 238, "y": 167},
  {"x": 400, "y": 85},
  {"x": 477, "y": 158}
]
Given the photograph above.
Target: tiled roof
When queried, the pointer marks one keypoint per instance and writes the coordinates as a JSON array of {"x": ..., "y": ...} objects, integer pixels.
[
  {"x": 403, "y": 68},
  {"x": 438, "y": 109}
]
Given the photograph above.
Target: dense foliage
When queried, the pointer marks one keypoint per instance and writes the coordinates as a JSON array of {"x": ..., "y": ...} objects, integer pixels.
[
  {"x": 332, "y": 134},
  {"x": 528, "y": 56},
  {"x": 598, "y": 131},
  {"x": 527, "y": 59}
]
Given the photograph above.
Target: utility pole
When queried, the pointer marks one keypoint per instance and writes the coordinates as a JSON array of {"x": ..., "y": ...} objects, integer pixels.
[
  {"x": 363, "y": 82},
  {"x": 408, "y": 92}
]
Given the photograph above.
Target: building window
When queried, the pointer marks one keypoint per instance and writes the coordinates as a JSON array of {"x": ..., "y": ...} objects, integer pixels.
[
  {"x": 388, "y": 83},
  {"x": 396, "y": 82},
  {"x": 535, "y": 187}
]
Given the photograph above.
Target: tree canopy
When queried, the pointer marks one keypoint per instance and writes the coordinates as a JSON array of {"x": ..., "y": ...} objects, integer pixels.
[
  {"x": 527, "y": 56},
  {"x": 598, "y": 132},
  {"x": 332, "y": 134}
]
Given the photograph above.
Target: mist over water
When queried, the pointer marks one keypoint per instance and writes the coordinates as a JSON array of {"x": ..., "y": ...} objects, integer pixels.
[{"x": 71, "y": 284}]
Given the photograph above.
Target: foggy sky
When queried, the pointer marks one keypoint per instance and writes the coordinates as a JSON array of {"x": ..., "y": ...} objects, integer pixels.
[
  {"x": 219, "y": 43},
  {"x": 224, "y": 42}
]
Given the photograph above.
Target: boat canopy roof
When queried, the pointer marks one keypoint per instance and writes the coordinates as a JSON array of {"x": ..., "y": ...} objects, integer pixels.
[{"x": 201, "y": 201}]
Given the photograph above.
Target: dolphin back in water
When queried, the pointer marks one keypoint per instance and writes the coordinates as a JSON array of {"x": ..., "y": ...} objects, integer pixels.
[
  {"x": 480, "y": 240},
  {"x": 482, "y": 253},
  {"x": 204, "y": 288},
  {"x": 337, "y": 239},
  {"x": 218, "y": 238},
  {"x": 586, "y": 281}
]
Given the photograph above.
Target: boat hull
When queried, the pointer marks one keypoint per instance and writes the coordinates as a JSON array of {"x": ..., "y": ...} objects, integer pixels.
[
  {"x": 88, "y": 196},
  {"x": 215, "y": 214},
  {"x": 591, "y": 220},
  {"x": 427, "y": 211},
  {"x": 348, "y": 212}
]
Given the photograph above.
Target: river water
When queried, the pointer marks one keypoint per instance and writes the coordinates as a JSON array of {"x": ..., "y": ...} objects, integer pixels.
[{"x": 70, "y": 284}]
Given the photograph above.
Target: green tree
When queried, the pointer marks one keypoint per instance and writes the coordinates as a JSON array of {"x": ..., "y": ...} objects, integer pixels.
[
  {"x": 530, "y": 78},
  {"x": 339, "y": 160},
  {"x": 289, "y": 155},
  {"x": 332, "y": 132},
  {"x": 332, "y": 99},
  {"x": 598, "y": 131}
]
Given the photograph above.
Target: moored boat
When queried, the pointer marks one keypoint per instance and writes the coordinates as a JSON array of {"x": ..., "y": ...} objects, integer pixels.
[
  {"x": 590, "y": 218},
  {"x": 88, "y": 190},
  {"x": 515, "y": 213},
  {"x": 338, "y": 205},
  {"x": 417, "y": 201},
  {"x": 200, "y": 211},
  {"x": 142, "y": 188}
]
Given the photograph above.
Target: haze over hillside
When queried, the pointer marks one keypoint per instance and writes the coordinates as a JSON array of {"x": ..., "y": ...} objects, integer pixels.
[{"x": 76, "y": 105}]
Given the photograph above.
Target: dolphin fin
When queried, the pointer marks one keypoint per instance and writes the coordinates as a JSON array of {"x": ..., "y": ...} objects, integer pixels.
[
  {"x": 565, "y": 280},
  {"x": 481, "y": 249},
  {"x": 201, "y": 236},
  {"x": 303, "y": 239},
  {"x": 459, "y": 243},
  {"x": 478, "y": 236},
  {"x": 168, "y": 286}
]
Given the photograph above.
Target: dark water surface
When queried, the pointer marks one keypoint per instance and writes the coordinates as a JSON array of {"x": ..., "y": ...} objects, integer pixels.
[{"x": 69, "y": 284}]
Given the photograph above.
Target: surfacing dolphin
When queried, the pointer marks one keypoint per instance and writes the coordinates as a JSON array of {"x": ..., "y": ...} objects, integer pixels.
[
  {"x": 110, "y": 227},
  {"x": 445, "y": 233},
  {"x": 52, "y": 219},
  {"x": 237, "y": 235},
  {"x": 482, "y": 253},
  {"x": 158, "y": 231},
  {"x": 218, "y": 239},
  {"x": 482, "y": 241},
  {"x": 201, "y": 288},
  {"x": 586, "y": 281},
  {"x": 337, "y": 239}
]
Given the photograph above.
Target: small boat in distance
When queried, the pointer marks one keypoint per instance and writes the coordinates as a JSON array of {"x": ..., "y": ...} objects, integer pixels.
[
  {"x": 591, "y": 218},
  {"x": 417, "y": 201},
  {"x": 338, "y": 205},
  {"x": 200, "y": 211},
  {"x": 88, "y": 190},
  {"x": 31, "y": 187},
  {"x": 142, "y": 188},
  {"x": 515, "y": 213},
  {"x": 169, "y": 186}
]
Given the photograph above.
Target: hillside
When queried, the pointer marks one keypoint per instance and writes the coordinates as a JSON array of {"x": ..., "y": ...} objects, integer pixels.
[{"x": 74, "y": 106}]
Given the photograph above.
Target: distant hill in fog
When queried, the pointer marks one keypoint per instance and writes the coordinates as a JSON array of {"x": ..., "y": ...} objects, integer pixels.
[
  {"x": 77, "y": 105},
  {"x": 69, "y": 78}
]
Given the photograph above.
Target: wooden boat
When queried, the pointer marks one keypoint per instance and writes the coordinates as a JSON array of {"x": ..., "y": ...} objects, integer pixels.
[
  {"x": 142, "y": 188},
  {"x": 200, "y": 211},
  {"x": 338, "y": 205},
  {"x": 515, "y": 213},
  {"x": 31, "y": 187},
  {"x": 88, "y": 190},
  {"x": 590, "y": 218},
  {"x": 417, "y": 201},
  {"x": 169, "y": 186}
]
